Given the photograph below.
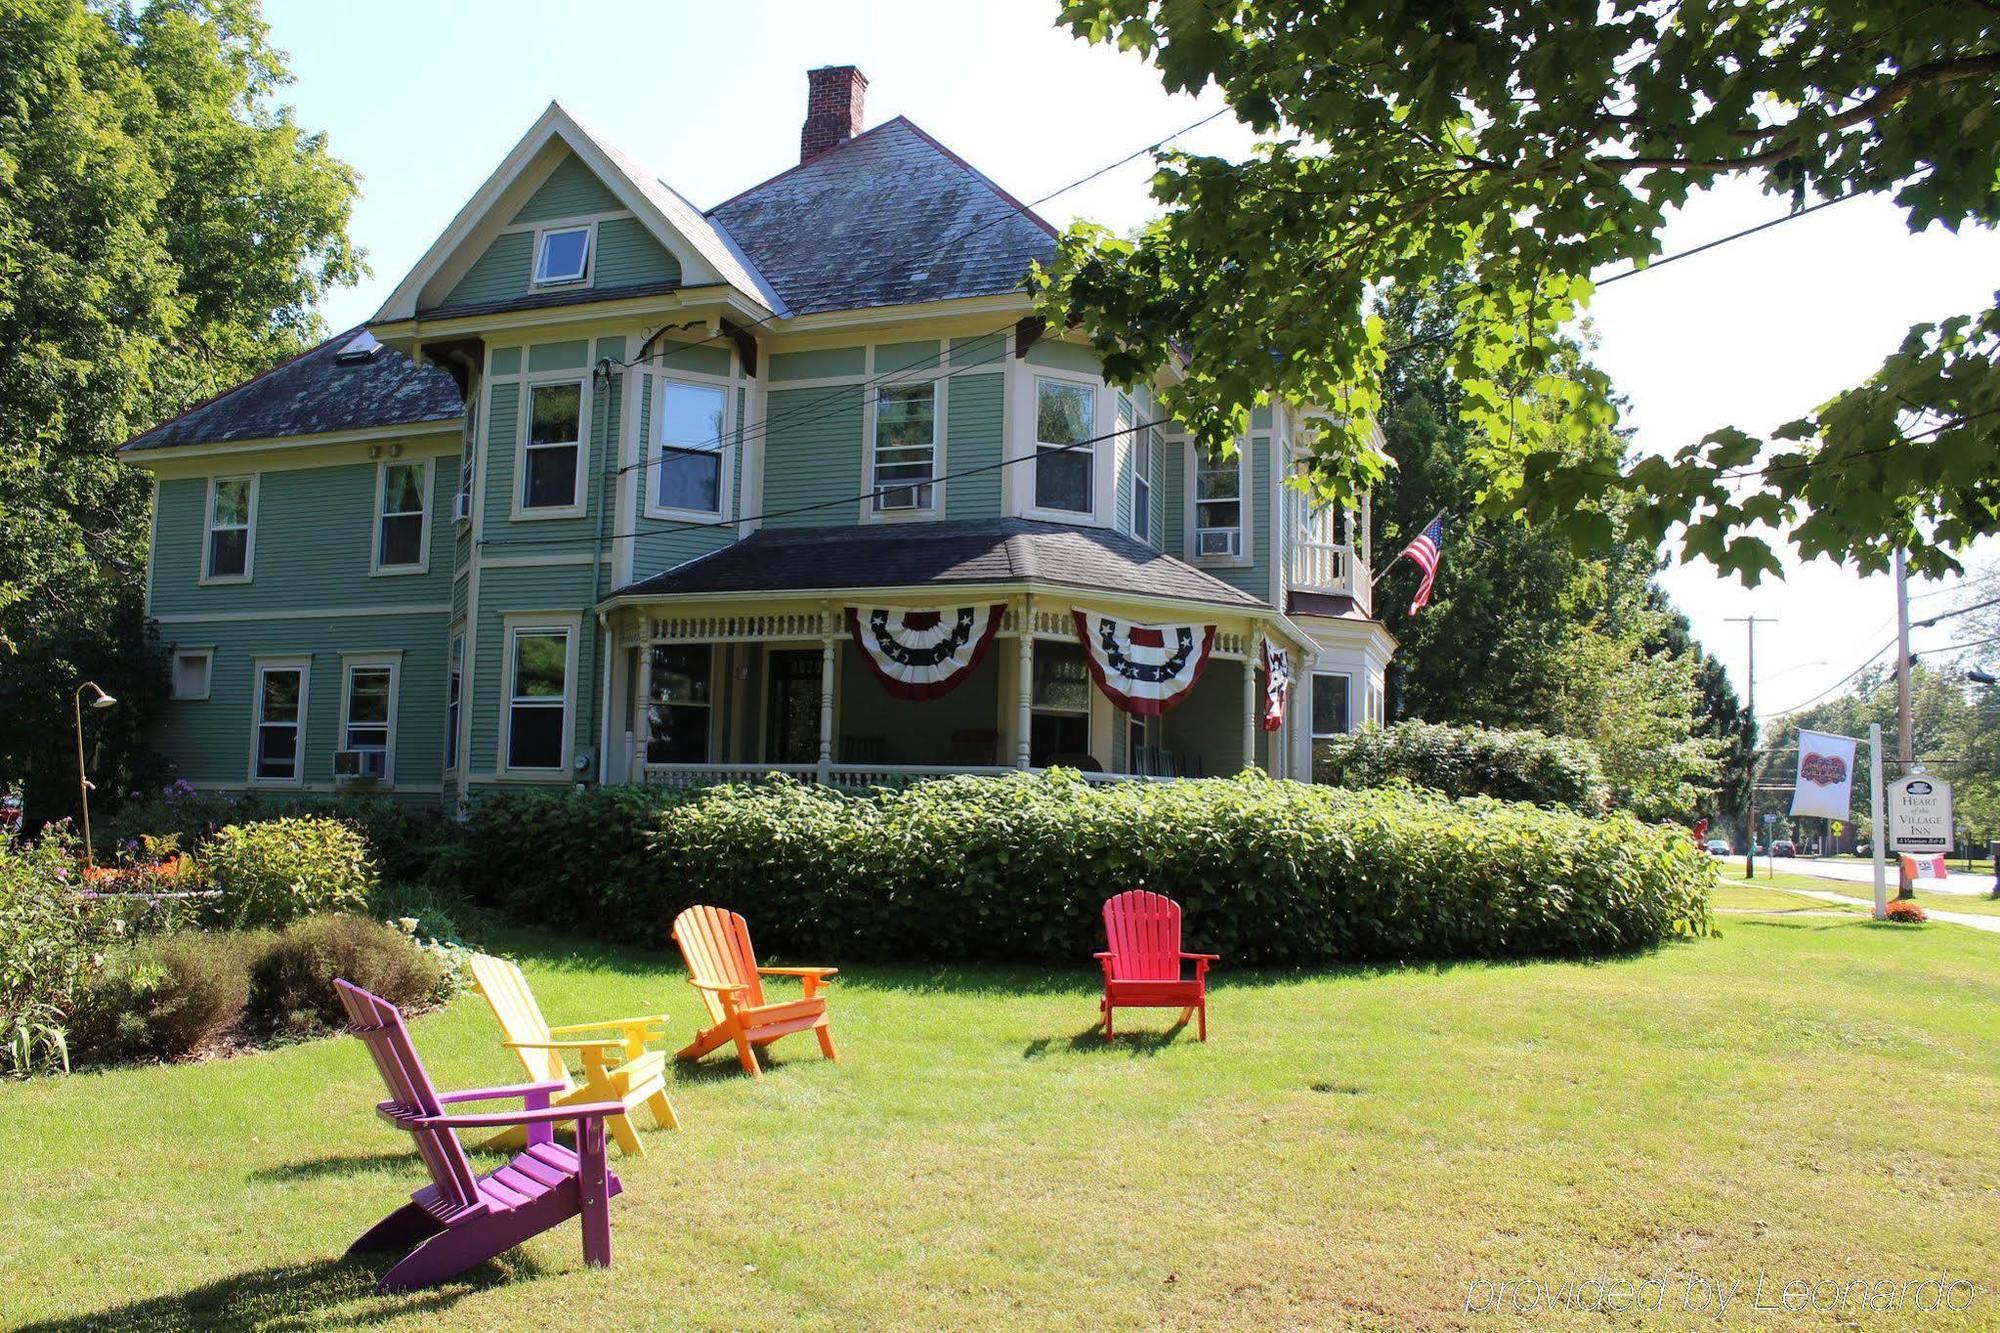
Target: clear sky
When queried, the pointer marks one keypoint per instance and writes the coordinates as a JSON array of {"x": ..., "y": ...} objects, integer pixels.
[{"x": 425, "y": 99}]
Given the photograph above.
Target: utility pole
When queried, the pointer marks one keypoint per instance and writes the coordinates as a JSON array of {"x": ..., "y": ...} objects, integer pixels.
[
  {"x": 1750, "y": 623},
  {"x": 1905, "y": 741}
]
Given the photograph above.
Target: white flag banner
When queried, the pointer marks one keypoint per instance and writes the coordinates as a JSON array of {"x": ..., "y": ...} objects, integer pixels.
[{"x": 1825, "y": 785}]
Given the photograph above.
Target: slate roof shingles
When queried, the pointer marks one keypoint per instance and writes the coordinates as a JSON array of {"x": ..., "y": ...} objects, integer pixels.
[
  {"x": 1002, "y": 550},
  {"x": 312, "y": 394}
]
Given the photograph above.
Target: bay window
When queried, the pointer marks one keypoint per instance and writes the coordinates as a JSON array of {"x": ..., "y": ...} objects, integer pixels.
[
  {"x": 1330, "y": 710},
  {"x": 1218, "y": 503},
  {"x": 550, "y": 458},
  {"x": 688, "y": 429},
  {"x": 1065, "y": 421},
  {"x": 905, "y": 446}
]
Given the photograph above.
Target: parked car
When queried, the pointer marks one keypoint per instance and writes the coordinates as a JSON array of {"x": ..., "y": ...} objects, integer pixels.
[
  {"x": 1717, "y": 847},
  {"x": 1784, "y": 847}
]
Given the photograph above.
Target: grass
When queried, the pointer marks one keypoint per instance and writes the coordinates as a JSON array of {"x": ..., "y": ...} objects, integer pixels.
[
  {"x": 1765, "y": 889},
  {"x": 1804, "y": 1097}
]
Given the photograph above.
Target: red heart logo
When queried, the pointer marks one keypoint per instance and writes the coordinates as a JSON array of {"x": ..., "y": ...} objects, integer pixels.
[{"x": 1824, "y": 770}]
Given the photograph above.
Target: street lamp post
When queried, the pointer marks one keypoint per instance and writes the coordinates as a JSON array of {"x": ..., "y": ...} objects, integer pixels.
[{"x": 99, "y": 699}]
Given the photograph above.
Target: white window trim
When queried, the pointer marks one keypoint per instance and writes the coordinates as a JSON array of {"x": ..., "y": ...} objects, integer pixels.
[
  {"x": 258, "y": 668},
  {"x": 1104, "y": 407},
  {"x": 468, "y": 457},
  {"x": 207, "y": 653},
  {"x": 208, "y": 529},
  {"x": 1191, "y": 512},
  {"x": 589, "y": 277},
  {"x": 656, "y": 450},
  {"x": 1146, "y": 476},
  {"x": 526, "y": 417},
  {"x": 376, "y": 569},
  {"x": 870, "y": 413},
  {"x": 1348, "y": 690},
  {"x": 514, "y": 625},
  {"x": 454, "y": 663},
  {"x": 392, "y": 662}
]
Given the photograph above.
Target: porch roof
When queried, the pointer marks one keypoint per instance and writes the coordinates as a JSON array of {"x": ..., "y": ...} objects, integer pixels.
[{"x": 897, "y": 555}]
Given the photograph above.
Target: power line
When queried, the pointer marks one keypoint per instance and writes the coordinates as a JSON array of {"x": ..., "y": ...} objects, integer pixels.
[{"x": 1705, "y": 246}]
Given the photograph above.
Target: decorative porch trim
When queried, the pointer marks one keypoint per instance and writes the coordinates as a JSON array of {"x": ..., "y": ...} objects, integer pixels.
[{"x": 1144, "y": 669}]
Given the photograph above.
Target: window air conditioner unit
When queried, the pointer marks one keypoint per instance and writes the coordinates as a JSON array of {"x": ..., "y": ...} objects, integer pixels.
[
  {"x": 360, "y": 765},
  {"x": 461, "y": 508},
  {"x": 1218, "y": 541}
]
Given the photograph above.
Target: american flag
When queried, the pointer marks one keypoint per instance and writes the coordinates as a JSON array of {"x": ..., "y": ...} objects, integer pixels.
[{"x": 1426, "y": 551}]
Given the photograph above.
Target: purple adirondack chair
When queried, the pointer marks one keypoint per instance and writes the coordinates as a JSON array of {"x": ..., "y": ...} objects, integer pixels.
[{"x": 460, "y": 1219}]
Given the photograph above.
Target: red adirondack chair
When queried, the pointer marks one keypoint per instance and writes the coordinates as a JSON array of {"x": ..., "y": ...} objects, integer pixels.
[
  {"x": 460, "y": 1219},
  {"x": 1142, "y": 966}
]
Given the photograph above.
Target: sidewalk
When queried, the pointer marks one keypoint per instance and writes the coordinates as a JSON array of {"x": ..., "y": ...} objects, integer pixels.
[{"x": 1986, "y": 923}]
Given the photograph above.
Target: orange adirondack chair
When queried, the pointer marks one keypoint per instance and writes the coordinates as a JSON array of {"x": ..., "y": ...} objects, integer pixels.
[
  {"x": 1142, "y": 966},
  {"x": 723, "y": 967}
]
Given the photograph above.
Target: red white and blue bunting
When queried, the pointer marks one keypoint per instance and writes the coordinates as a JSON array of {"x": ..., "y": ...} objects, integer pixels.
[
  {"x": 922, "y": 654},
  {"x": 1277, "y": 685},
  {"x": 1144, "y": 669}
]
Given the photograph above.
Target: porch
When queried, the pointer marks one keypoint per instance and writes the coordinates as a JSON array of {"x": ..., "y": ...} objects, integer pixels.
[{"x": 701, "y": 699}]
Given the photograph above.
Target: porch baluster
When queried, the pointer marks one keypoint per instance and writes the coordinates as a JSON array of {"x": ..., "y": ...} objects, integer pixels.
[
  {"x": 1024, "y": 684},
  {"x": 826, "y": 644}
]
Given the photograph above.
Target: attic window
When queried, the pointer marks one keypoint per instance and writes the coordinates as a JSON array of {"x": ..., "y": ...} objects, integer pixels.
[
  {"x": 562, "y": 255},
  {"x": 361, "y": 347}
]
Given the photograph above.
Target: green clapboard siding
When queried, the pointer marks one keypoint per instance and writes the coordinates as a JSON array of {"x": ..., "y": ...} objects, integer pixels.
[
  {"x": 973, "y": 432},
  {"x": 504, "y": 591},
  {"x": 504, "y": 535},
  {"x": 812, "y": 454},
  {"x": 703, "y": 358},
  {"x": 1206, "y": 729},
  {"x": 1173, "y": 497},
  {"x": 818, "y": 365},
  {"x": 571, "y": 190},
  {"x": 208, "y": 741},
  {"x": 1064, "y": 356},
  {"x": 499, "y": 274},
  {"x": 893, "y": 357},
  {"x": 315, "y": 529}
]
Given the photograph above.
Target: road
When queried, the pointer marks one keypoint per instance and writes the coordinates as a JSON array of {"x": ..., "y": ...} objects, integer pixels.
[{"x": 1977, "y": 884}]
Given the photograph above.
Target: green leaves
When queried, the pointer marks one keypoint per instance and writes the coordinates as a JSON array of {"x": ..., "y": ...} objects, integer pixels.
[{"x": 1537, "y": 145}]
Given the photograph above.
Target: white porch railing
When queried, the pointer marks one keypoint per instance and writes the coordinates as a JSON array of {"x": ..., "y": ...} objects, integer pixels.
[
  {"x": 839, "y": 775},
  {"x": 1321, "y": 566}
]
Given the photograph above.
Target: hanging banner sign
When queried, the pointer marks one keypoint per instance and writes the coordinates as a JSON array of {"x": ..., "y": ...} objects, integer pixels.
[
  {"x": 1920, "y": 814},
  {"x": 1825, "y": 786},
  {"x": 923, "y": 654},
  {"x": 1926, "y": 867},
  {"x": 1277, "y": 685},
  {"x": 1144, "y": 669}
]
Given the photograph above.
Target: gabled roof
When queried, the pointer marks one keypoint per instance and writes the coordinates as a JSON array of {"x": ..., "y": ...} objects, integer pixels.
[
  {"x": 706, "y": 255},
  {"x": 890, "y": 217},
  {"x": 314, "y": 393},
  {"x": 983, "y": 551}
]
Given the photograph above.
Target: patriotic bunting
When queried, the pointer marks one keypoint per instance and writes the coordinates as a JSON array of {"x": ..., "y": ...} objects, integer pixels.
[
  {"x": 1277, "y": 685},
  {"x": 923, "y": 654},
  {"x": 1144, "y": 669}
]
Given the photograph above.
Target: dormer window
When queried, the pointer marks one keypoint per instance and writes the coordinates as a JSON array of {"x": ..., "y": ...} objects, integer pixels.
[{"x": 562, "y": 255}]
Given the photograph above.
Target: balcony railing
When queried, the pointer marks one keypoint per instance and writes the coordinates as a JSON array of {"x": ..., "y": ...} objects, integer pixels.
[
  {"x": 1323, "y": 567},
  {"x": 838, "y": 775}
]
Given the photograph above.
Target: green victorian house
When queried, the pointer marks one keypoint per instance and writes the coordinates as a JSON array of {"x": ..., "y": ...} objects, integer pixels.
[{"x": 615, "y": 489}]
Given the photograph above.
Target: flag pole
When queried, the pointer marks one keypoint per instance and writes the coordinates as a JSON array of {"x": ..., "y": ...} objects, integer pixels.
[{"x": 1405, "y": 551}]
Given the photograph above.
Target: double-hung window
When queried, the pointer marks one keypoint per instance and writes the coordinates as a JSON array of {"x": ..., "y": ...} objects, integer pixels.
[
  {"x": 1330, "y": 712},
  {"x": 562, "y": 256},
  {"x": 538, "y": 698},
  {"x": 678, "y": 703},
  {"x": 368, "y": 713},
  {"x": 454, "y": 689},
  {"x": 1218, "y": 503},
  {"x": 554, "y": 446},
  {"x": 232, "y": 508},
  {"x": 402, "y": 523},
  {"x": 1065, "y": 421},
  {"x": 467, "y": 460},
  {"x": 280, "y": 742},
  {"x": 1142, "y": 486},
  {"x": 1059, "y": 727},
  {"x": 689, "y": 431},
  {"x": 905, "y": 446}
]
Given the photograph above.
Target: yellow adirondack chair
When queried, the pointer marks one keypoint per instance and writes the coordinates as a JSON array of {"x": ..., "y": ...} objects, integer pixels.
[
  {"x": 723, "y": 967},
  {"x": 616, "y": 1069}
]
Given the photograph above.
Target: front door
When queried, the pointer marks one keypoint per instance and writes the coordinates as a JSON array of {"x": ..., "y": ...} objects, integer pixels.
[{"x": 791, "y": 707}]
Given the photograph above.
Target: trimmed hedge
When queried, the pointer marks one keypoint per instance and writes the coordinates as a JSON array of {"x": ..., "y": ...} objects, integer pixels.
[
  {"x": 562, "y": 858},
  {"x": 404, "y": 838},
  {"x": 1017, "y": 867},
  {"x": 1468, "y": 761}
]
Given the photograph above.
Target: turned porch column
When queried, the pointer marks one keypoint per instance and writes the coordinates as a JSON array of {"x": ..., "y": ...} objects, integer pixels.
[
  {"x": 826, "y": 647},
  {"x": 1024, "y": 684},
  {"x": 1250, "y": 710}
]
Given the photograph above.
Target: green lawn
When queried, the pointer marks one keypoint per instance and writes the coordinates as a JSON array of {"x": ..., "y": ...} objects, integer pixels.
[
  {"x": 1804, "y": 1097},
  {"x": 1765, "y": 888}
]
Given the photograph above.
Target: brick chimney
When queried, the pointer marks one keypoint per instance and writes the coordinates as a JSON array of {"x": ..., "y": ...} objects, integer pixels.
[{"x": 834, "y": 95}]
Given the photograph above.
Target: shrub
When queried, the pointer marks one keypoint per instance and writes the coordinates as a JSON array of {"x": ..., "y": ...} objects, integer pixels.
[
  {"x": 291, "y": 982},
  {"x": 405, "y": 839},
  {"x": 1270, "y": 872},
  {"x": 276, "y": 871},
  {"x": 49, "y": 939},
  {"x": 1468, "y": 761},
  {"x": 1905, "y": 911},
  {"x": 169, "y": 997},
  {"x": 565, "y": 857}
]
